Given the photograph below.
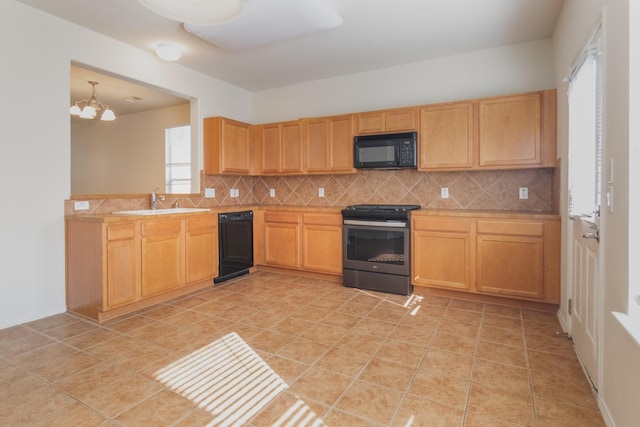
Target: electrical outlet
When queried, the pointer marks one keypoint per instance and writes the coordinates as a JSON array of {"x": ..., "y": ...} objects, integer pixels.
[
  {"x": 234, "y": 192},
  {"x": 210, "y": 193},
  {"x": 524, "y": 192},
  {"x": 81, "y": 206},
  {"x": 320, "y": 192},
  {"x": 272, "y": 192},
  {"x": 444, "y": 192}
]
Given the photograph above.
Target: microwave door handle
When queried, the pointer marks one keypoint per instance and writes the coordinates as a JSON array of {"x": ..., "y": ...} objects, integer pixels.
[{"x": 397, "y": 154}]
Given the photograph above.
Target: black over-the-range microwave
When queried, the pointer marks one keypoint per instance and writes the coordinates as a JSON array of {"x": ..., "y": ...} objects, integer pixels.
[{"x": 385, "y": 151}]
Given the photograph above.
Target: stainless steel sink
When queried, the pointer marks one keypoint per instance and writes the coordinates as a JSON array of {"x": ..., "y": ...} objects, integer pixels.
[{"x": 161, "y": 211}]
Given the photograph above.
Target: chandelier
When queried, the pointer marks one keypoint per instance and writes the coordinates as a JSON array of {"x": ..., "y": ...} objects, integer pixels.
[
  {"x": 92, "y": 107},
  {"x": 198, "y": 12}
]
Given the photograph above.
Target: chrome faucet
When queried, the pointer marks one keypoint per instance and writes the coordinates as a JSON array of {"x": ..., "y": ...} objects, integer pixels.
[{"x": 155, "y": 198}]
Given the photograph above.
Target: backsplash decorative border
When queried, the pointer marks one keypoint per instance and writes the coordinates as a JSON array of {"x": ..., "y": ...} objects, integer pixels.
[{"x": 471, "y": 190}]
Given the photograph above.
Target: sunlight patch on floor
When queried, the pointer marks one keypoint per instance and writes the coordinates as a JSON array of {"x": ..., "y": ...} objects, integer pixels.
[{"x": 227, "y": 378}]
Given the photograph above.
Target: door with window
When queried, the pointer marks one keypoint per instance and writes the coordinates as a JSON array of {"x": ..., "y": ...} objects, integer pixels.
[{"x": 585, "y": 165}]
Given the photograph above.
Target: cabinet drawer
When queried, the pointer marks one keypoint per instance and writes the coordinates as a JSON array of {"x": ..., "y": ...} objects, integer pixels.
[
  {"x": 322, "y": 219},
  {"x": 121, "y": 231},
  {"x": 204, "y": 221},
  {"x": 511, "y": 228},
  {"x": 460, "y": 225},
  {"x": 282, "y": 217},
  {"x": 161, "y": 227}
]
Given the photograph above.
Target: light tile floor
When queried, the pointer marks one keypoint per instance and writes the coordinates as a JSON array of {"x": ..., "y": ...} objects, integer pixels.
[{"x": 272, "y": 349}]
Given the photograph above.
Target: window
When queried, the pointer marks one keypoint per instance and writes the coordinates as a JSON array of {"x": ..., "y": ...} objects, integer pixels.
[
  {"x": 585, "y": 142},
  {"x": 177, "y": 142}
]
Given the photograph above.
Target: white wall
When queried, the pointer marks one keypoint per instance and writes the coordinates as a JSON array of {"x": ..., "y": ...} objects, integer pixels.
[
  {"x": 510, "y": 69},
  {"x": 125, "y": 156},
  {"x": 619, "y": 379},
  {"x": 35, "y": 141}
]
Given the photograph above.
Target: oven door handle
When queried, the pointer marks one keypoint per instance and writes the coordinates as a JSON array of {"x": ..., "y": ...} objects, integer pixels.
[{"x": 395, "y": 224}]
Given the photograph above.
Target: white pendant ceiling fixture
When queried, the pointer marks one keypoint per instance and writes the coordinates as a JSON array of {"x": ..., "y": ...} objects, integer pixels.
[
  {"x": 197, "y": 12},
  {"x": 92, "y": 107},
  {"x": 265, "y": 22}
]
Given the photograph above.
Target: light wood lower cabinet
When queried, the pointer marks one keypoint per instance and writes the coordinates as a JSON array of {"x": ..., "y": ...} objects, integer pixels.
[
  {"x": 517, "y": 258},
  {"x": 162, "y": 256},
  {"x": 201, "y": 244},
  {"x": 282, "y": 239},
  {"x": 300, "y": 240},
  {"x": 114, "y": 268},
  {"x": 442, "y": 252},
  {"x": 322, "y": 242},
  {"x": 123, "y": 269}
]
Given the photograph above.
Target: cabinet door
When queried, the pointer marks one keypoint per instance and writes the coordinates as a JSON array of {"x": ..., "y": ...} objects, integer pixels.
[
  {"x": 400, "y": 119},
  {"x": 341, "y": 142},
  {"x": 322, "y": 243},
  {"x": 201, "y": 245},
  {"x": 510, "y": 258},
  {"x": 227, "y": 146},
  {"x": 282, "y": 239},
  {"x": 442, "y": 252},
  {"x": 446, "y": 136},
  {"x": 316, "y": 139},
  {"x": 395, "y": 120},
  {"x": 270, "y": 150},
  {"x": 370, "y": 122},
  {"x": 509, "y": 131},
  {"x": 291, "y": 143},
  {"x": 236, "y": 149},
  {"x": 163, "y": 256},
  {"x": 442, "y": 260},
  {"x": 122, "y": 270}
]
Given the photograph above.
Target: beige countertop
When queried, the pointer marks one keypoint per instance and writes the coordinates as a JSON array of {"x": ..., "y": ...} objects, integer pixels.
[{"x": 110, "y": 217}]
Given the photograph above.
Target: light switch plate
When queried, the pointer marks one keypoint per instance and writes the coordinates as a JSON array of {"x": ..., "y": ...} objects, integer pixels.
[
  {"x": 81, "y": 205},
  {"x": 523, "y": 193},
  {"x": 444, "y": 192},
  {"x": 320, "y": 192},
  {"x": 272, "y": 192},
  {"x": 209, "y": 193}
]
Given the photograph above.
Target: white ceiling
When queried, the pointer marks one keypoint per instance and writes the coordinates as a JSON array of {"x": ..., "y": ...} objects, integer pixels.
[{"x": 374, "y": 34}]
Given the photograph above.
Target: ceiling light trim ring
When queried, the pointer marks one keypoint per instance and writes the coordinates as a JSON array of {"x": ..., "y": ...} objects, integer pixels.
[{"x": 197, "y": 12}]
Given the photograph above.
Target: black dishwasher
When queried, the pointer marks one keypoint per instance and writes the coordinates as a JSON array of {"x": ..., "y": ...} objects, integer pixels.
[{"x": 235, "y": 244}]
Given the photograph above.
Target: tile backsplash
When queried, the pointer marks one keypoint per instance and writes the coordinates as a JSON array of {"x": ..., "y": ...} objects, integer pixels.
[{"x": 484, "y": 190}]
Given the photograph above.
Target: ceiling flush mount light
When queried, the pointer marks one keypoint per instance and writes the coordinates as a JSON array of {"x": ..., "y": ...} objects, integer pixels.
[
  {"x": 197, "y": 12},
  {"x": 92, "y": 107},
  {"x": 168, "y": 52}
]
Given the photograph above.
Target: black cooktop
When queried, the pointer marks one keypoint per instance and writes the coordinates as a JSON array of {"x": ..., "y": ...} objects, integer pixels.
[{"x": 378, "y": 211}]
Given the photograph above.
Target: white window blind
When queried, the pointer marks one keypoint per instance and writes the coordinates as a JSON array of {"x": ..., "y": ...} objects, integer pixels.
[
  {"x": 178, "y": 159},
  {"x": 585, "y": 134}
]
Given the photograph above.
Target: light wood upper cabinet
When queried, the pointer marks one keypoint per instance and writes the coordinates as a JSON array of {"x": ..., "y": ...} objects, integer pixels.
[
  {"x": 279, "y": 148},
  {"x": 394, "y": 120},
  {"x": 227, "y": 146},
  {"x": 510, "y": 130},
  {"x": 328, "y": 143},
  {"x": 447, "y": 136},
  {"x": 507, "y": 132}
]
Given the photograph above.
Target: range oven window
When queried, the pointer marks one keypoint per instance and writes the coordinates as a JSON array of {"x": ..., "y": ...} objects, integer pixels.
[{"x": 376, "y": 245}]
